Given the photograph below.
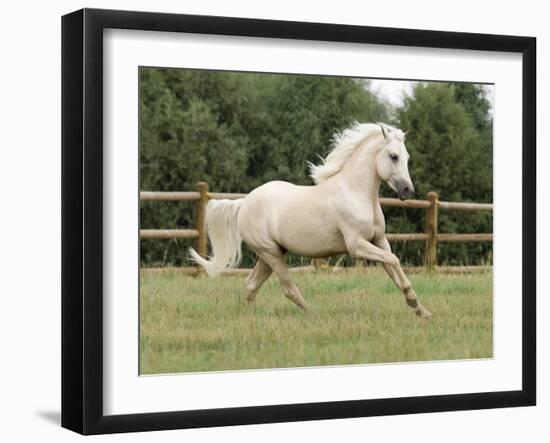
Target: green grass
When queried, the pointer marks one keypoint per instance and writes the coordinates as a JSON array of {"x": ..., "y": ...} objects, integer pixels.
[{"x": 193, "y": 324}]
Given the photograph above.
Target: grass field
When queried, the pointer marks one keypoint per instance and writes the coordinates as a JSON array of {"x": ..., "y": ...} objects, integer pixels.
[{"x": 193, "y": 324}]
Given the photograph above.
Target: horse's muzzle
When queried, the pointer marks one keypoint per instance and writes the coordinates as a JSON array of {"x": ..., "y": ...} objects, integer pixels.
[{"x": 405, "y": 190}]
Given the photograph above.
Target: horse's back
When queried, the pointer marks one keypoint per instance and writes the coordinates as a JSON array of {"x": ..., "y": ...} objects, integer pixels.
[
  {"x": 264, "y": 204},
  {"x": 276, "y": 187}
]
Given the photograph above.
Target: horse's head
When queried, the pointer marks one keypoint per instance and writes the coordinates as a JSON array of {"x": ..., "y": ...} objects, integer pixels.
[{"x": 392, "y": 162}]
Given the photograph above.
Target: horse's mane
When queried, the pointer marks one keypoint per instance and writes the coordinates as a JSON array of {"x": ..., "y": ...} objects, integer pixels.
[{"x": 344, "y": 145}]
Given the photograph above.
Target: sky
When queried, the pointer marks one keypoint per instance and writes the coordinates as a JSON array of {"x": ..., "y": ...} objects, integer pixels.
[{"x": 392, "y": 90}]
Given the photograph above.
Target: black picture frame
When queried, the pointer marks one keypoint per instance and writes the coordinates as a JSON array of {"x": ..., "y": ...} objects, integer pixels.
[{"x": 82, "y": 218}]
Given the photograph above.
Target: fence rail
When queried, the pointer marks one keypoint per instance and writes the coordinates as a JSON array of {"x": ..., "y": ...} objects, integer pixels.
[
  {"x": 169, "y": 233},
  {"x": 430, "y": 236},
  {"x": 170, "y": 196}
]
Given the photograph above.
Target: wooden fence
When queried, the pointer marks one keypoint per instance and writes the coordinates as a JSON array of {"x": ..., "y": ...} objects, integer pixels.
[{"x": 430, "y": 236}]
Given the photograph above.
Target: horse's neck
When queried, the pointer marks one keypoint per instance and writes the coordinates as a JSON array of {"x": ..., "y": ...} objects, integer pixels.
[{"x": 360, "y": 173}]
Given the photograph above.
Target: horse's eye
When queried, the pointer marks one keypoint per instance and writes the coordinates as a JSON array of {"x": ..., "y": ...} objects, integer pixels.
[{"x": 394, "y": 157}]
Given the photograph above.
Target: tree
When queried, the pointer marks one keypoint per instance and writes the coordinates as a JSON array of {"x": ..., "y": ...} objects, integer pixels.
[
  {"x": 240, "y": 130},
  {"x": 236, "y": 131},
  {"x": 450, "y": 143}
]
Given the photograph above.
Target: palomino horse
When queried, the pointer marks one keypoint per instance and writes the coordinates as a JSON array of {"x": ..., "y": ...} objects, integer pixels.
[{"x": 339, "y": 214}]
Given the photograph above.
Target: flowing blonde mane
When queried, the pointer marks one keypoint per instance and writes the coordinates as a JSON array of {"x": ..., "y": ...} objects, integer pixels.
[{"x": 344, "y": 145}]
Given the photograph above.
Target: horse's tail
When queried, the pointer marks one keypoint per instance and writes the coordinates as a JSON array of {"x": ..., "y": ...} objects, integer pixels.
[{"x": 221, "y": 222}]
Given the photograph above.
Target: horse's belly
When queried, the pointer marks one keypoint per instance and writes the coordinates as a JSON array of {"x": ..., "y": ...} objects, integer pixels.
[
  {"x": 310, "y": 237},
  {"x": 320, "y": 248}
]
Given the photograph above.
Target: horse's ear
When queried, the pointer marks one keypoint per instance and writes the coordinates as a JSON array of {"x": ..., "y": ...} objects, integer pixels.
[
  {"x": 405, "y": 134},
  {"x": 384, "y": 130}
]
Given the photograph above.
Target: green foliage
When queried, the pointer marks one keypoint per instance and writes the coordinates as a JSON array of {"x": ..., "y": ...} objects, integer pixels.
[{"x": 239, "y": 130}]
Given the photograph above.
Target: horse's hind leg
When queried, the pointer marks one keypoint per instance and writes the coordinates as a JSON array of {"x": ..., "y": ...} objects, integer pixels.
[
  {"x": 256, "y": 279},
  {"x": 279, "y": 267}
]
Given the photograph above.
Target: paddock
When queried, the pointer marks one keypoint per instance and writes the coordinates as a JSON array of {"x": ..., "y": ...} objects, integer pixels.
[{"x": 195, "y": 323}]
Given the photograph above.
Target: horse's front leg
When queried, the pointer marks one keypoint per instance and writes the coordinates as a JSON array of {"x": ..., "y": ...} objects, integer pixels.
[{"x": 382, "y": 252}]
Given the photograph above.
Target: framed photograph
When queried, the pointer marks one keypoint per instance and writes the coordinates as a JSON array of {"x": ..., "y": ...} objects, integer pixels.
[{"x": 268, "y": 221}]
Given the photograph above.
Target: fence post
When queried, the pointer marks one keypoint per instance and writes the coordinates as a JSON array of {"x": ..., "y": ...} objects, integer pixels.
[
  {"x": 201, "y": 244},
  {"x": 319, "y": 263},
  {"x": 430, "y": 253}
]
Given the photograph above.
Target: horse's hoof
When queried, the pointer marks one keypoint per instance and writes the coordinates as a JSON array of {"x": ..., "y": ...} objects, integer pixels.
[
  {"x": 423, "y": 313},
  {"x": 304, "y": 306}
]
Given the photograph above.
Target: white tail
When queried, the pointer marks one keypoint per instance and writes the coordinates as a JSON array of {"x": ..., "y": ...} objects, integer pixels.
[{"x": 221, "y": 222}]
